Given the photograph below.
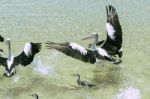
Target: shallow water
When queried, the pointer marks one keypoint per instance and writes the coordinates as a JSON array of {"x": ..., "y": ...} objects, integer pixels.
[{"x": 70, "y": 20}]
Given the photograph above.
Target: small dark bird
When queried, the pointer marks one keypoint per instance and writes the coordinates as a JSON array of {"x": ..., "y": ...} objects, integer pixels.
[
  {"x": 83, "y": 83},
  {"x": 35, "y": 96}
]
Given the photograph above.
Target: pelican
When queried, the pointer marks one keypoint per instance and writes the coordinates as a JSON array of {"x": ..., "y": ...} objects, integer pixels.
[
  {"x": 83, "y": 83},
  {"x": 100, "y": 53},
  {"x": 76, "y": 51},
  {"x": 111, "y": 46},
  {"x": 113, "y": 42},
  {"x": 24, "y": 59},
  {"x": 35, "y": 96}
]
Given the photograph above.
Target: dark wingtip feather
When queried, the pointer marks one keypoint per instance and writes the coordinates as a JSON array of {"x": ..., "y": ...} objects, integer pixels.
[
  {"x": 1, "y": 39},
  {"x": 36, "y": 47}
]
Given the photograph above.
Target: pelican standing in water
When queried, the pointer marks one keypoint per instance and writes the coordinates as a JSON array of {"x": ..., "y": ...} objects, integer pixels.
[
  {"x": 24, "y": 59},
  {"x": 113, "y": 42}
]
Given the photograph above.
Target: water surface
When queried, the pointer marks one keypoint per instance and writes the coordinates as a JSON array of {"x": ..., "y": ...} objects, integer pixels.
[{"x": 50, "y": 75}]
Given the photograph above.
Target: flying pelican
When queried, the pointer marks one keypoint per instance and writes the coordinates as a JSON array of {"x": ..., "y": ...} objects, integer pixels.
[
  {"x": 35, "y": 95},
  {"x": 76, "y": 51},
  {"x": 110, "y": 47},
  {"x": 83, "y": 83},
  {"x": 25, "y": 58},
  {"x": 113, "y": 42}
]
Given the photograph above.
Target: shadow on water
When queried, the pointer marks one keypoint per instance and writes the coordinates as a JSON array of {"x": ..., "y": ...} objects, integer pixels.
[
  {"x": 107, "y": 75},
  {"x": 15, "y": 91}
]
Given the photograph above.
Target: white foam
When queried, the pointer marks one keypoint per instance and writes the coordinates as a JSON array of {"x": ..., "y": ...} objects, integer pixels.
[
  {"x": 41, "y": 68},
  {"x": 129, "y": 93},
  {"x": 16, "y": 78},
  {"x": 79, "y": 48}
]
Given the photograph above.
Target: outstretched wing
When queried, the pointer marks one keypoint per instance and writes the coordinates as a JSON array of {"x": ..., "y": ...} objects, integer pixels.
[
  {"x": 1, "y": 38},
  {"x": 113, "y": 42},
  {"x": 3, "y": 61},
  {"x": 27, "y": 55},
  {"x": 74, "y": 50}
]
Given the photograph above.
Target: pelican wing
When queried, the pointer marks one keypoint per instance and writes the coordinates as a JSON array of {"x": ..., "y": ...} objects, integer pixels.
[
  {"x": 3, "y": 61},
  {"x": 74, "y": 50},
  {"x": 113, "y": 42},
  {"x": 1, "y": 38},
  {"x": 27, "y": 55}
]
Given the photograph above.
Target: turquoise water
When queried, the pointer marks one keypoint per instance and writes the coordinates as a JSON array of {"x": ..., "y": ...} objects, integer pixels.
[{"x": 50, "y": 75}]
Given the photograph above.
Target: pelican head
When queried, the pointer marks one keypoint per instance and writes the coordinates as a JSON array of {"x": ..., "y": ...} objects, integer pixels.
[
  {"x": 7, "y": 41},
  {"x": 91, "y": 36}
]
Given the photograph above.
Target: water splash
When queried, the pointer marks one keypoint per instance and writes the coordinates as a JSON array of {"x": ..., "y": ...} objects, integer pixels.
[
  {"x": 129, "y": 93},
  {"x": 16, "y": 78},
  {"x": 38, "y": 66}
]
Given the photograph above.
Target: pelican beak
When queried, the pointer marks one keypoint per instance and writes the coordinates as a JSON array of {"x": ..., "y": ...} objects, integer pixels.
[
  {"x": 6, "y": 41},
  {"x": 87, "y": 37}
]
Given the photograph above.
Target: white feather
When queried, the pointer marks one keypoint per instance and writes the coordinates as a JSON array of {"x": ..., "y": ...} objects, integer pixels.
[
  {"x": 79, "y": 48},
  {"x": 110, "y": 30},
  {"x": 103, "y": 52},
  {"x": 10, "y": 61},
  {"x": 120, "y": 50},
  {"x": 27, "y": 49}
]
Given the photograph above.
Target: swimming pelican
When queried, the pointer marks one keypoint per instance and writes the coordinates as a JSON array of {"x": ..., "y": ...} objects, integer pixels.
[
  {"x": 83, "y": 83},
  {"x": 25, "y": 58},
  {"x": 113, "y": 43}
]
